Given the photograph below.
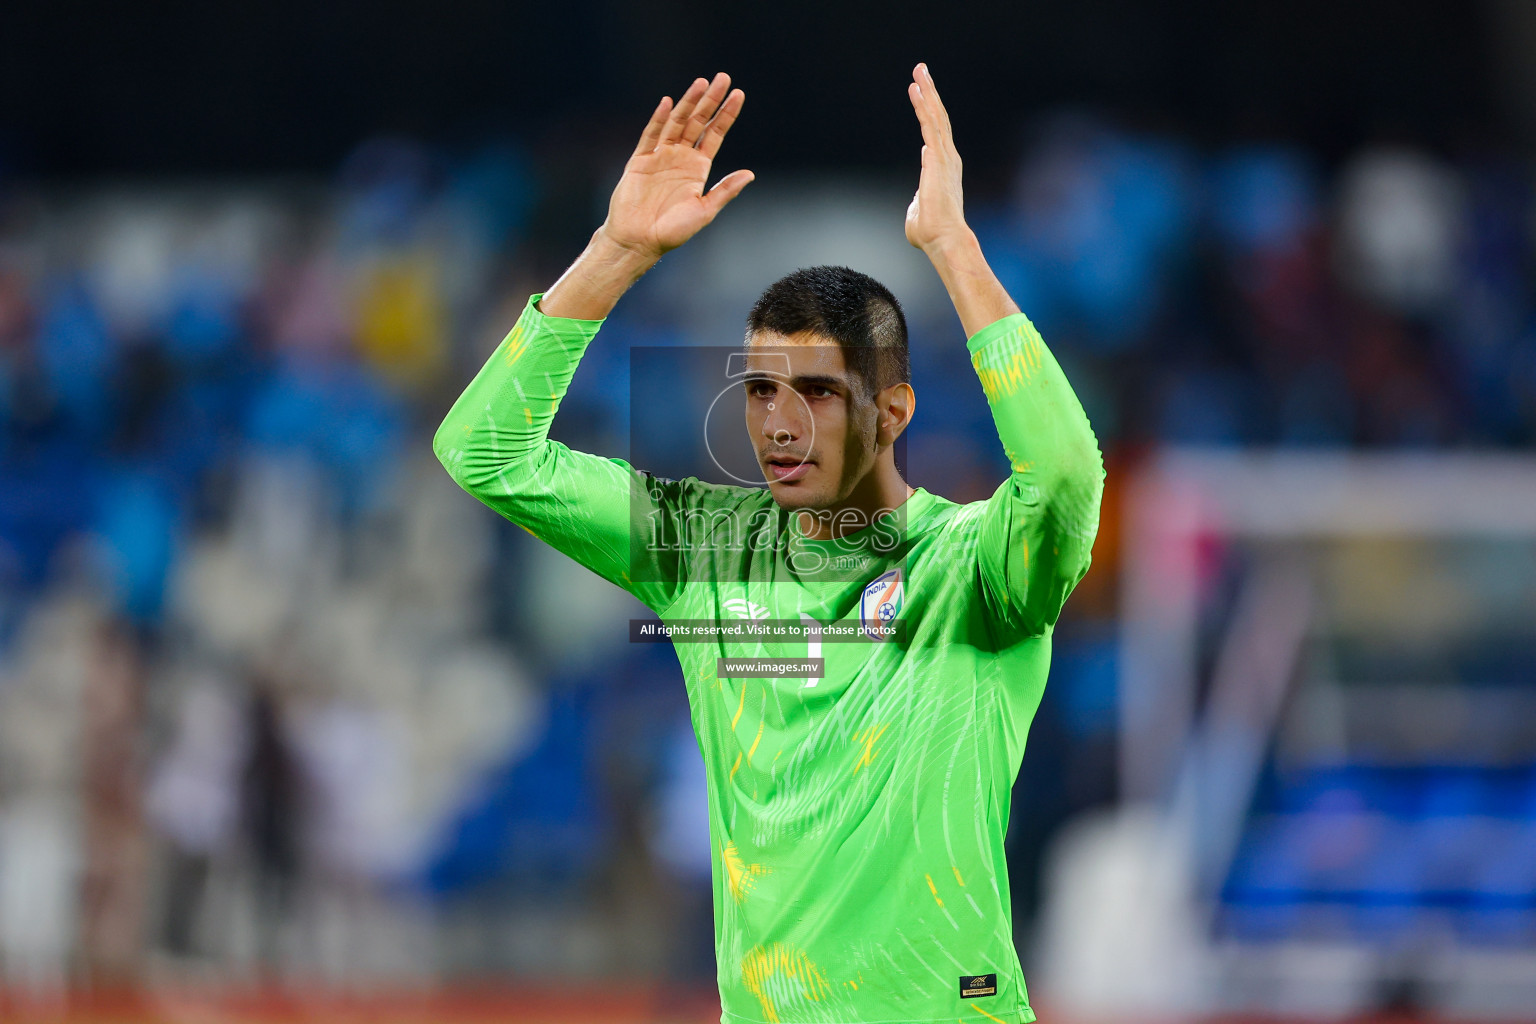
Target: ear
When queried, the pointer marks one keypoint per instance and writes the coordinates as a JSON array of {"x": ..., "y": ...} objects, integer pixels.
[{"x": 895, "y": 406}]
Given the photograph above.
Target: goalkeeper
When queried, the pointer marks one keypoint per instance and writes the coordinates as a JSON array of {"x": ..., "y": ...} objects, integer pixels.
[{"x": 857, "y": 809}]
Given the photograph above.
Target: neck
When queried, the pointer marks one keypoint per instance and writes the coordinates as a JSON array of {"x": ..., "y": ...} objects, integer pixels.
[{"x": 881, "y": 491}]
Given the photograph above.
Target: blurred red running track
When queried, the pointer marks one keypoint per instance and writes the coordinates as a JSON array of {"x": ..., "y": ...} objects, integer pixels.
[
  {"x": 579, "y": 1002},
  {"x": 582, "y": 1001}
]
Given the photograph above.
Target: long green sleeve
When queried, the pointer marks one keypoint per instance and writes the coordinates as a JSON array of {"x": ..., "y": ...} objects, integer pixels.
[
  {"x": 1036, "y": 533},
  {"x": 495, "y": 443}
]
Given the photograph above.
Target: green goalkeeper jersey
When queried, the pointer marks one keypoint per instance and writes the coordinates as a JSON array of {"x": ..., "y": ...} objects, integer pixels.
[{"x": 857, "y": 816}]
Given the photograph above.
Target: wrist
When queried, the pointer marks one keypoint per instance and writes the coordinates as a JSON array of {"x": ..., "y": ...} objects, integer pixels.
[
  {"x": 590, "y": 287},
  {"x": 622, "y": 256},
  {"x": 953, "y": 246},
  {"x": 979, "y": 298}
]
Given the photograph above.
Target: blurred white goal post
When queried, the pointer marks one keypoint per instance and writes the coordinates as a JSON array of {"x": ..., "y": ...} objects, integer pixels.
[{"x": 1129, "y": 894}]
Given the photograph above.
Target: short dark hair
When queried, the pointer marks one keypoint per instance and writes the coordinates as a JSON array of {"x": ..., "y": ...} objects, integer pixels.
[{"x": 853, "y": 309}]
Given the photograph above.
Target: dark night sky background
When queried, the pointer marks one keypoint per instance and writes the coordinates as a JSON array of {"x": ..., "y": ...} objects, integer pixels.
[{"x": 218, "y": 87}]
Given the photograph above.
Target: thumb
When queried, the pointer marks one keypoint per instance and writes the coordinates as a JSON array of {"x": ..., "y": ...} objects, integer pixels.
[{"x": 726, "y": 189}]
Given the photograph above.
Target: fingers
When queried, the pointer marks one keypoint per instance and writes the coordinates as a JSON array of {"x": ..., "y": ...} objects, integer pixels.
[
  {"x": 728, "y": 188},
  {"x": 673, "y": 129},
  {"x": 652, "y": 133},
  {"x": 932, "y": 92},
  {"x": 925, "y": 98},
  {"x": 673, "y": 132},
  {"x": 714, "y": 133},
  {"x": 706, "y": 108},
  {"x": 925, "y": 118},
  {"x": 702, "y": 116}
]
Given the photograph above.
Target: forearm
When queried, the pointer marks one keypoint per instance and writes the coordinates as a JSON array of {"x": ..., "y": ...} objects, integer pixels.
[
  {"x": 1039, "y": 419},
  {"x": 503, "y": 416},
  {"x": 495, "y": 444},
  {"x": 979, "y": 298},
  {"x": 593, "y": 285},
  {"x": 1041, "y": 423},
  {"x": 1038, "y": 529}
]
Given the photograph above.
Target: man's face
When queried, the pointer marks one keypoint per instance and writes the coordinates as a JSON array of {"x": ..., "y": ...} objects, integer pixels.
[{"x": 808, "y": 418}]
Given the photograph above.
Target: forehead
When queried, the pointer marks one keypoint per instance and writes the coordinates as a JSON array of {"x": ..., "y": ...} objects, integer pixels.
[{"x": 807, "y": 353}]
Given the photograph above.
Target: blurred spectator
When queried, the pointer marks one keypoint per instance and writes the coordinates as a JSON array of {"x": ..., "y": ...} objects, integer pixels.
[
  {"x": 273, "y": 811},
  {"x": 194, "y": 800}
]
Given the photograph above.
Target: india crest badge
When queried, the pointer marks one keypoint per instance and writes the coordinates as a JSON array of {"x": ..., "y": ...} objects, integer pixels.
[{"x": 879, "y": 604}]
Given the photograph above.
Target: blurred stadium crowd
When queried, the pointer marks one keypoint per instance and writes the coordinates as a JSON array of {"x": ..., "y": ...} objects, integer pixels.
[{"x": 277, "y": 701}]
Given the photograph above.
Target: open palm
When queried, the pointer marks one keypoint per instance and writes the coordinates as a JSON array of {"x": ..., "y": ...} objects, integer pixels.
[
  {"x": 660, "y": 202},
  {"x": 937, "y": 210}
]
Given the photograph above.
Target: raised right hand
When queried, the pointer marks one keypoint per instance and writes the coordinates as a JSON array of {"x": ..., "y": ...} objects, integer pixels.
[{"x": 660, "y": 201}]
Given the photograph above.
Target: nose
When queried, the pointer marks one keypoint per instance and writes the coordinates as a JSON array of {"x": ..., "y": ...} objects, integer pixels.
[{"x": 785, "y": 421}]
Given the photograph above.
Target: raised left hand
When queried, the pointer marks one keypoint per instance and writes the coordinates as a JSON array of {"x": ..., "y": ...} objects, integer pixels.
[{"x": 937, "y": 212}]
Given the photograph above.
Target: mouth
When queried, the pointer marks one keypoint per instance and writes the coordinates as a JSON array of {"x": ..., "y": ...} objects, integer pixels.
[{"x": 787, "y": 468}]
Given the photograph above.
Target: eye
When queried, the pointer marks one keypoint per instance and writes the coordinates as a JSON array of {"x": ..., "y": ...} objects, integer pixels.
[
  {"x": 819, "y": 391},
  {"x": 761, "y": 388}
]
